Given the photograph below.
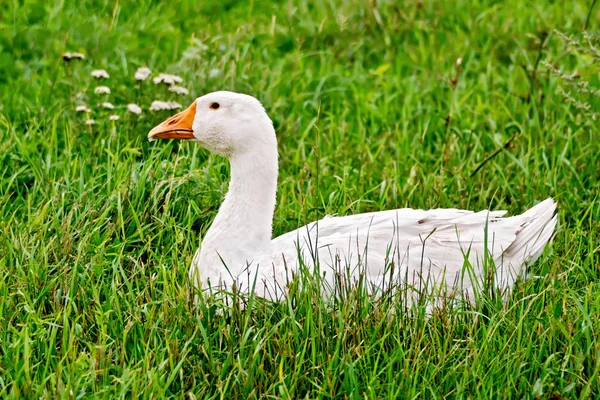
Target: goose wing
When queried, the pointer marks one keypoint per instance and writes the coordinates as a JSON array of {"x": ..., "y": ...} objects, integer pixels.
[{"x": 416, "y": 247}]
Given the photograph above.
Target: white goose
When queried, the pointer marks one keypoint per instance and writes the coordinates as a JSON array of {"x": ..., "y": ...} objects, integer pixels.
[{"x": 412, "y": 248}]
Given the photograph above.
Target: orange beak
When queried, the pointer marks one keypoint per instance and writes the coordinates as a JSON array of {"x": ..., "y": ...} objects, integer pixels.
[{"x": 179, "y": 126}]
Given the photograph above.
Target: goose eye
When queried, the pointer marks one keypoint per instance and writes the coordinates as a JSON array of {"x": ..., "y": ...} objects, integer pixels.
[{"x": 214, "y": 106}]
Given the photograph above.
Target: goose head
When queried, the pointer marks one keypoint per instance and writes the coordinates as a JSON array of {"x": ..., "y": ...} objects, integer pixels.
[{"x": 225, "y": 123}]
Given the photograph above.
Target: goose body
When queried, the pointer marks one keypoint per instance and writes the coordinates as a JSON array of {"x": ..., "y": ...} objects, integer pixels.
[{"x": 442, "y": 249}]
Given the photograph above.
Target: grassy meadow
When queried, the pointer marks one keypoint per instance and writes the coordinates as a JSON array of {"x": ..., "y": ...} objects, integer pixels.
[{"x": 377, "y": 105}]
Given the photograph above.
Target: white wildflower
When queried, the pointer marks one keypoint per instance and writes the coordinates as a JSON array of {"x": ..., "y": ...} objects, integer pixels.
[
  {"x": 113, "y": 117},
  {"x": 102, "y": 90},
  {"x": 158, "y": 105},
  {"x": 108, "y": 105},
  {"x": 134, "y": 108},
  {"x": 142, "y": 73},
  {"x": 222, "y": 47},
  {"x": 100, "y": 73},
  {"x": 90, "y": 122},
  {"x": 167, "y": 79},
  {"x": 82, "y": 108},
  {"x": 68, "y": 56},
  {"x": 178, "y": 90},
  {"x": 213, "y": 73}
]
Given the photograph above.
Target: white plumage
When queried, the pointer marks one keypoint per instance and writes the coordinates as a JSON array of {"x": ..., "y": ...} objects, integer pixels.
[{"x": 448, "y": 251}]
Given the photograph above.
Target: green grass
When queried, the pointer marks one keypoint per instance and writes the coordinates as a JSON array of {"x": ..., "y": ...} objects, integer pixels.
[{"x": 98, "y": 226}]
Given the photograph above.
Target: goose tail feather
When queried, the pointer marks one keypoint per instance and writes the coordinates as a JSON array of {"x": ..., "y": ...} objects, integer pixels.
[{"x": 536, "y": 230}]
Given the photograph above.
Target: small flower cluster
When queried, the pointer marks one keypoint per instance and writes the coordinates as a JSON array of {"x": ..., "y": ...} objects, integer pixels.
[
  {"x": 68, "y": 56},
  {"x": 167, "y": 79},
  {"x": 100, "y": 74},
  {"x": 158, "y": 105},
  {"x": 142, "y": 74},
  {"x": 172, "y": 82},
  {"x": 134, "y": 108},
  {"x": 99, "y": 90},
  {"x": 83, "y": 108},
  {"x": 102, "y": 90},
  {"x": 178, "y": 90}
]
